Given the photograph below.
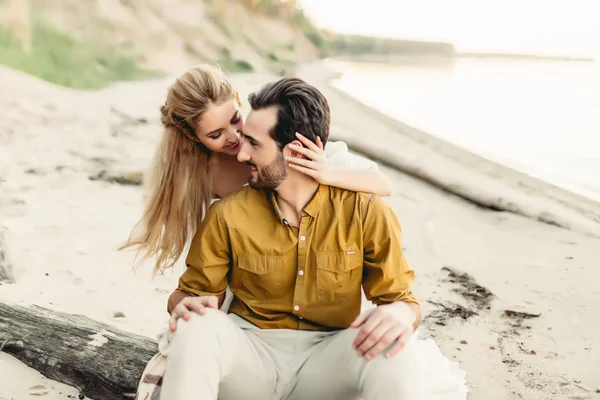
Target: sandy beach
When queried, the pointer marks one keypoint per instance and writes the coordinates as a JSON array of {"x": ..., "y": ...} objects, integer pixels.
[{"x": 523, "y": 323}]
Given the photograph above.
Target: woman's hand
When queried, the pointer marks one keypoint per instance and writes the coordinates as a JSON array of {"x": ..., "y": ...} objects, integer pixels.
[{"x": 315, "y": 164}]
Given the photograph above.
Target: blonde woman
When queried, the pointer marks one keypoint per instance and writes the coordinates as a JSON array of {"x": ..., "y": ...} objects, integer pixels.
[{"x": 196, "y": 162}]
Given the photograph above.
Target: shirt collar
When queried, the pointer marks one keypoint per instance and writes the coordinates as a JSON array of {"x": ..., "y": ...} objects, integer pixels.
[{"x": 312, "y": 208}]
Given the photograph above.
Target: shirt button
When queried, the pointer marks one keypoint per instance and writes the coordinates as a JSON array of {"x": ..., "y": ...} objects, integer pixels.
[
  {"x": 301, "y": 272},
  {"x": 296, "y": 308},
  {"x": 303, "y": 238},
  {"x": 300, "y": 318}
]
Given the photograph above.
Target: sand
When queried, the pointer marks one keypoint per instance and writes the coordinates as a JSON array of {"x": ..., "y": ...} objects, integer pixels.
[{"x": 62, "y": 230}]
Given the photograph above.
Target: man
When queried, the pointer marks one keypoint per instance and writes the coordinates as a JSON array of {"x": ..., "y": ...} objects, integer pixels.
[{"x": 295, "y": 255}]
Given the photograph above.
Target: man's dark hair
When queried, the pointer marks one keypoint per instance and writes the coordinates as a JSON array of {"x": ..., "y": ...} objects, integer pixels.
[{"x": 300, "y": 108}]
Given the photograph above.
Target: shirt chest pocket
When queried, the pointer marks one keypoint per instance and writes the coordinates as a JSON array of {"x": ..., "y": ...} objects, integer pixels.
[
  {"x": 339, "y": 274},
  {"x": 259, "y": 275}
]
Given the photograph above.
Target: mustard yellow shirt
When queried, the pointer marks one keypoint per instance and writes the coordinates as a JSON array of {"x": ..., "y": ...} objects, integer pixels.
[{"x": 307, "y": 277}]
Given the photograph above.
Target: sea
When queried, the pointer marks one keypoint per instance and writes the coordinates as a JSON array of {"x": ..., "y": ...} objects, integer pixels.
[{"x": 541, "y": 117}]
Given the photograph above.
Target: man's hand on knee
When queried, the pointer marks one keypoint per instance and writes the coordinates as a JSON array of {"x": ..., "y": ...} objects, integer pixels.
[
  {"x": 189, "y": 304},
  {"x": 385, "y": 326}
]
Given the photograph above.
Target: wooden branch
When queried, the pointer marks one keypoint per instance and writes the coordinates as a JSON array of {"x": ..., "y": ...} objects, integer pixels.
[{"x": 103, "y": 362}]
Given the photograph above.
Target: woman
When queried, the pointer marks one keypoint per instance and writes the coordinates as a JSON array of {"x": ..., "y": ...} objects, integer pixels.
[{"x": 196, "y": 162}]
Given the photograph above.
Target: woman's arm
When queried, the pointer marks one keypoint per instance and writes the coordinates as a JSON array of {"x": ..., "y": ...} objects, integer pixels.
[
  {"x": 348, "y": 171},
  {"x": 361, "y": 180}
]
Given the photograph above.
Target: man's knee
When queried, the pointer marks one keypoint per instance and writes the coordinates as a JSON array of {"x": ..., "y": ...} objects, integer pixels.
[
  {"x": 214, "y": 322},
  {"x": 402, "y": 360},
  {"x": 401, "y": 364}
]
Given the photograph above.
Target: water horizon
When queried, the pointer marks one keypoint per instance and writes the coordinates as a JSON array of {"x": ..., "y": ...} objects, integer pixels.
[{"x": 534, "y": 116}]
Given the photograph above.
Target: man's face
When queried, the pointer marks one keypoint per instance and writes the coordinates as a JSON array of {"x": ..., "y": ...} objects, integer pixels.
[{"x": 260, "y": 151}]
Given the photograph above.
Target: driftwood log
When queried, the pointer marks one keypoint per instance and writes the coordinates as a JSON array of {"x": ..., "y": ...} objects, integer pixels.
[
  {"x": 529, "y": 201},
  {"x": 102, "y": 362}
]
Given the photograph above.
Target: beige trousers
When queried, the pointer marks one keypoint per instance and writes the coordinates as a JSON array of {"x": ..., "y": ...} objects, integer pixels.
[{"x": 224, "y": 356}]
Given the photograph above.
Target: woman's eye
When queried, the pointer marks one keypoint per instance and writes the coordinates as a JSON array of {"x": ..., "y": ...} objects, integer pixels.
[
  {"x": 216, "y": 136},
  {"x": 235, "y": 121}
]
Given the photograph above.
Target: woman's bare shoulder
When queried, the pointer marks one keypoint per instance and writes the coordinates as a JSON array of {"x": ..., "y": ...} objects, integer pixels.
[{"x": 228, "y": 176}]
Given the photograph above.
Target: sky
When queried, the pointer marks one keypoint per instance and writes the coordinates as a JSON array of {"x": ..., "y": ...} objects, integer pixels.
[{"x": 554, "y": 27}]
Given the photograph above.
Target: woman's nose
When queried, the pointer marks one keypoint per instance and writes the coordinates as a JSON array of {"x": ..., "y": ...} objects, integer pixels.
[
  {"x": 233, "y": 135},
  {"x": 242, "y": 156}
]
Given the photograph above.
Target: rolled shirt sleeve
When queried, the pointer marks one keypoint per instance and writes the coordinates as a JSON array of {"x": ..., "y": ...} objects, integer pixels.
[
  {"x": 209, "y": 260},
  {"x": 388, "y": 277}
]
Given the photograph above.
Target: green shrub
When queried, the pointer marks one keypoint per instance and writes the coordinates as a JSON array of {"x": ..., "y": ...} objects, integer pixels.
[
  {"x": 233, "y": 65},
  {"x": 61, "y": 59}
]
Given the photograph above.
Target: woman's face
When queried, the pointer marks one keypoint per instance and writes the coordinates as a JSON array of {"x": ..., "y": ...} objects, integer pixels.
[{"x": 220, "y": 126}]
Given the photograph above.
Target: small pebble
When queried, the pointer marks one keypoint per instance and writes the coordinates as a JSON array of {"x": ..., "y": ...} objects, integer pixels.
[
  {"x": 39, "y": 390},
  {"x": 492, "y": 347},
  {"x": 118, "y": 314},
  {"x": 463, "y": 342},
  {"x": 533, "y": 352}
]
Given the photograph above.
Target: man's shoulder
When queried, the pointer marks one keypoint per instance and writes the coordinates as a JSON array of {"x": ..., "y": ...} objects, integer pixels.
[
  {"x": 343, "y": 195},
  {"x": 353, "y": 202},
  {"x": 245, "y": 198}
]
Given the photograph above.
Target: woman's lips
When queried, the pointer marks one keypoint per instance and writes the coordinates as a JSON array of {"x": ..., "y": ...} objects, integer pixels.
[{"x": 233, "y": 146}]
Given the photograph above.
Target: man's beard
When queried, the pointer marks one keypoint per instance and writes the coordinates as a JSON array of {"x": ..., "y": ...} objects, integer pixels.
[{"x": 271, "y": 176}]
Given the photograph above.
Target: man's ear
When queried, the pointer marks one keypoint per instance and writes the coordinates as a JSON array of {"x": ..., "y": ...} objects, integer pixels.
[{"x": 293, "y": 153}]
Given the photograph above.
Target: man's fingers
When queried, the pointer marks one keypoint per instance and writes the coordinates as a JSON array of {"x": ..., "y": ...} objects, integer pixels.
[
  {"x": 368, "y": 326},
  {"x": 191, "y": 304},
  {"x": 178, "y": 312},
  {"x": 360, "y": 319},
  {"x": 213, "y": 302},
  {"x": 172, "y": 323},
  {"x": 195, "y": 306},
  {"x": 374, "y": 337},
  {"x": 385, "y": 341},
  {"x": 401, "y": 342}
]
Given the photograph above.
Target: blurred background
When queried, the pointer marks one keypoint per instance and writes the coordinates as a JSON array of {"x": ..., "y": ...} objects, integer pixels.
[
  {"x": 433, "y": 88},
  {"x": 514, "y": 81}
]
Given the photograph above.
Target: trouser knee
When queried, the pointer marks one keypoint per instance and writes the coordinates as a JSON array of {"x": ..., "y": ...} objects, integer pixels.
[
  {"x": 380, "y": 365},
  {"x": 213, "y": 323}
]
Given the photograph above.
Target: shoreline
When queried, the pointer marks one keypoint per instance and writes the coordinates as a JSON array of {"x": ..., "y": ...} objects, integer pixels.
[
  {"x": 439, "y": 59},
  {"x": 476, "y": 179}
]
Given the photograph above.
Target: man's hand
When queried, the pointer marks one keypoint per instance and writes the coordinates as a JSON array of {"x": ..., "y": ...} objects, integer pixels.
[
  {"x": 383, "y": 326},
  {"x": 188, "y": 304}
]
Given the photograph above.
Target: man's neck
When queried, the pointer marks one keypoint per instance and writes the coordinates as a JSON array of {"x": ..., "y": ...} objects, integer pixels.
[{"x": 294, "y": 193}]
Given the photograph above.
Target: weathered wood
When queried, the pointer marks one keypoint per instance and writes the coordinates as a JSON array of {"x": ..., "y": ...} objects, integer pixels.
[{"x": 103, "y": 362}]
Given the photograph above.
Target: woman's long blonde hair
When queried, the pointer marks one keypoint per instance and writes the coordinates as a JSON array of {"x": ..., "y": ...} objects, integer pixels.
[{"x": 179, "y": 185}]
